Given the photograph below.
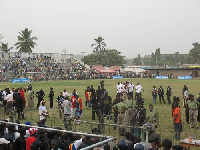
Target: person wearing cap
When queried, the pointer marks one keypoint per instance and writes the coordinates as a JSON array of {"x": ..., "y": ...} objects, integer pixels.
[
  {"x": 152, "y": 117},
  {"x": 51, "y": 95},
  {"x": 193, "y": 106},
  {"x": 43, "y": 112}
]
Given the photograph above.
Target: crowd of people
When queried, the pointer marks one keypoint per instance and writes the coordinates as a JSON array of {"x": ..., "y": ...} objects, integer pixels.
[{"x": 122, "y": 110}]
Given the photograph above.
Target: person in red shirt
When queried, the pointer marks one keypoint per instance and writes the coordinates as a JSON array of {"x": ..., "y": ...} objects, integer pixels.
[
  {"x": 22, "y": 90},
  {"x": 31, "y": 138},
  {"x": 177, "y": 121},
  {"x": 73, "y": 107}
]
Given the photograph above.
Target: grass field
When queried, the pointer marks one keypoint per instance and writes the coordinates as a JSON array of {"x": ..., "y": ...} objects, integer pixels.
[{"x": 165, "y": 120}]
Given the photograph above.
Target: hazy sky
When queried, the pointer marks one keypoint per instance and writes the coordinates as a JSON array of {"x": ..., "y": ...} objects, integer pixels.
[{"x": 130, "y": 26}]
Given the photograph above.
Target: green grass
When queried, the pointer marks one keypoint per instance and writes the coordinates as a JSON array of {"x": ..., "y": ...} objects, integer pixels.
[{"x": 166, "y": 125}]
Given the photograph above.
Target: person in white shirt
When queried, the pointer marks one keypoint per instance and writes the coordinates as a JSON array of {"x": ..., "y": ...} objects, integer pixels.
[
  {"x": 4, "y": 94},
  {"x": 130, "y": 89},
  {"x": 65, "y": 93},
  {"x": 43, "y": 112},
  {"x": 9, "y": 105},
  {"x": 67, "y": 106},
  {"x": 138, "y": 90},
  {"x": 118, "y": 88}
]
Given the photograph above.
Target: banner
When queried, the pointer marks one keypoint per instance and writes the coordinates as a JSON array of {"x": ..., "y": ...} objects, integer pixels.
[
  {"x": 20, "y": 80},
  {"x": 161, "y": 77},
  {"x": 117, "y": 77},
  {"x": 184, "y": 77}
]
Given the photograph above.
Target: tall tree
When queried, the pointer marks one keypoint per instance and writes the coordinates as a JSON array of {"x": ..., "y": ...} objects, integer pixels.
[
  {"x": 100, "y": 45},
  {"x": 25, "y": 41},
  {"x": 110, "y": 58},
  {"x": 137, "y": 60},
  {"x": 194, "y": 54},
  {"x": 4, "y": 47}
]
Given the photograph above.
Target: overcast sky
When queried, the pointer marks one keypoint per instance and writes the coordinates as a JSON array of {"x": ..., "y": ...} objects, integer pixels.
[{"x": 130, "y": 26}]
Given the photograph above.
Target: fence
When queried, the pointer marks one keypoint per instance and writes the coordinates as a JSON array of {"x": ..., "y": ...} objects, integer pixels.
[{"x": 105, "y": 139}]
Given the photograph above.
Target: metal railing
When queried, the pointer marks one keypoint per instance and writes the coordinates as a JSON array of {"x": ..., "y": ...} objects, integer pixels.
[{"x": 107, "y": 138}]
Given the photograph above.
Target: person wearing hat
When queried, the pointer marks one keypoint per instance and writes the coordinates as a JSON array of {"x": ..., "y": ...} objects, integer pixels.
[
  {"x": 43, "y": 112},
  {"x": 51, "y": 95},
  {"x": 193, "y": 106},
  {"x": 31, "y": 138}
]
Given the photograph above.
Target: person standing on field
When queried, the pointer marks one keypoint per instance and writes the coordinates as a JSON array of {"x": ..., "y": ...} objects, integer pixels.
[
  {"x": 193, "y": 106},
  {"x": 169, "y": 93},
  {"x": 51, "y": 95},
  {"x": 154, "y": 94},
  {"x": 161, "y": 95},
  {"x": 177, "y": 121}
]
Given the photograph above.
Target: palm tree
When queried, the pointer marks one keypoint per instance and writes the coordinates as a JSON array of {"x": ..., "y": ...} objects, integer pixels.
[
  {"x": 100, "y": 45},
  {"x": 26, "y": 42},
  {"x": 4, "y": 47}
]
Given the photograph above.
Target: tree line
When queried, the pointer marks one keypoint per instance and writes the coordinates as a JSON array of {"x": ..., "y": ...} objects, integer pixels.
[{"x": 176, "y": 59}]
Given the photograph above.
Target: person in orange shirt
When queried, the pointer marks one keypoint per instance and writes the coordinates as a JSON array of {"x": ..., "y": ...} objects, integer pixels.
[{"x": 177, "y": 121}]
